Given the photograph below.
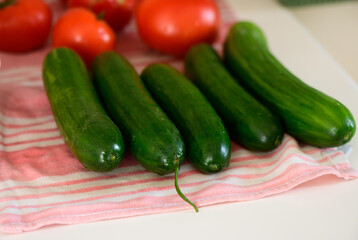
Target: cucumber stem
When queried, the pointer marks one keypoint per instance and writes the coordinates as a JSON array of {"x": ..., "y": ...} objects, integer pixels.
[{"x": 180, "y": 192}]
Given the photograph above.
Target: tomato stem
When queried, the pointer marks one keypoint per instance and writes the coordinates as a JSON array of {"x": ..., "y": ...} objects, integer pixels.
[
  {"x": 7, "y": 3},
  {"x": 180, "y": 192},
  {"x": 100, "y": 15}
]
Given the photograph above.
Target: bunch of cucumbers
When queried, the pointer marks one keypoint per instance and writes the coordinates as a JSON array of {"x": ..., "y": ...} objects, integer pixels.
[{"x": 165, "y": 117}]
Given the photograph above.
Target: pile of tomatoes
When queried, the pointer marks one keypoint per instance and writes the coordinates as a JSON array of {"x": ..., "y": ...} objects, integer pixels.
[{"x": 90, "y": 27}]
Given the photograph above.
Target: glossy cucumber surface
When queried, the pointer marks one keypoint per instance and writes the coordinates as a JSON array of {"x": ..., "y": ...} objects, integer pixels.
[
  {"x": 85, "y": 126},
  {"x": 307, "y": 114},
  {"x": 151, "y": 136},
  {"x": 248, "y": 121},
  {"x": 205, "y": 136}
]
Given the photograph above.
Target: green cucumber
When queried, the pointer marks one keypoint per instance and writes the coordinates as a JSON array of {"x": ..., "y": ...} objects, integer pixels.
[
  {"x": 85, "y": 126},
  {"x": 206, "y": 139},
  {"x": 151, "y": 136},
  {"x": 307, "y": 114},
  {"x": 248, "y": 121}
]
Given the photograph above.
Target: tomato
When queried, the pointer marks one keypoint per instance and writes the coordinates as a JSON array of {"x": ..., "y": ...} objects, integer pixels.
[
  {"x": 117, "y": 13},
  {"x": 80, "y": 30},
  {"x": 24, "y": 25},
  {"x": 174, "y": 26},
  {"x": 78, "y": 3}
]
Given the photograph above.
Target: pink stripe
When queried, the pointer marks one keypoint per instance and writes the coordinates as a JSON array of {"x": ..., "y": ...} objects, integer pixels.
[
  {"x": 156, "y": 179},
  {"x": 83, "y": 190},
  {"x": 89, "y": 213},
  {"x": 278, "y": 158},
  {"x": 44, "y": 167},
  {"x": 262, "y": 154},
  {"x": 282, "y": 160},
  {"x": 288, "y": 174},
  {"x": 36, "y": 162},
  {"x": 236, "y": 147},
  {"x": 77, "y": 181},
  {"x": 223, "y": 193},
  {"x": 34, "y": 58},
  {"x": 105, "y": 177},
  {"x": 182, "y": 175},
  {"x": 312, "y": 150},
  {"x": 123, "y": 165},
  {"x": 250, "y": 176},
  {"x": 17, "y": 102},
  {"x": 287, "y": 139},
  {"x": 224, "y": 6}
]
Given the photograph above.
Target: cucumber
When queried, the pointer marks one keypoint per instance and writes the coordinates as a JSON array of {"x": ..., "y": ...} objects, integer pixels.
[
  {"x": 248, "y": 121},
  {"x": 205, "y": 136},
  {"x": 85, "y": 126},
  {"x": 152, "y": 137},
  {"x": 307, "y": 114}
]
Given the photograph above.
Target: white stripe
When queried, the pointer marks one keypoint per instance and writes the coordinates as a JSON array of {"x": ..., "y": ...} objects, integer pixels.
[
  {"x": 72, "y": 187},
  {"x": 19, "y": 147},
  {"x": 70, "y": 177},
  {"x": 130, "y": 28},
  {"x": 189, "y": 179},
  {"x": 103, "y": 193},
  {"x": 20, "y": 78},
  {"x": 32, "y": 83},
  {"x": 25, "y": 75},
  {"x": 243, "y": 196},
  {"x": 88, "y": 175},
  {"x": 265, "y": 157},
  {"x": 24, "y": 121},
  {"x": 163, "y": 193},
  {"x": 28, "y": 137},
  {"x": 177, "y": 64},
  {"x": 43, "y": 126},
  {"x": 18, "y": 71}
]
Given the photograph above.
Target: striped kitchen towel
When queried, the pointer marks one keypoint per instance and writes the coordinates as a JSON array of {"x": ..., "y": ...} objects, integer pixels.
[{"x": 41, "y": 183}]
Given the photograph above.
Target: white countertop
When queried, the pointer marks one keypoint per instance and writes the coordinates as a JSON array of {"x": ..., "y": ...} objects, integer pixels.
[
  {"x": 335, "y": 27},
  {"x": 325, "y": 208}
]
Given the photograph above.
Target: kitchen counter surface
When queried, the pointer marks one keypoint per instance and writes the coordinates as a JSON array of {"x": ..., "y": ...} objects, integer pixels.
[{"x": 334, "y": 26}]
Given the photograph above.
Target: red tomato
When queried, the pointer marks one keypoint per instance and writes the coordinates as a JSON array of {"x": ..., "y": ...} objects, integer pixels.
[
  {"x": 80, "y": 30},
  {"x": 174, "y": 26},
  {"x": 117, "y": 13},
  {"x": 78, "y": 3},
  {"x": 24, "y": 25}
]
